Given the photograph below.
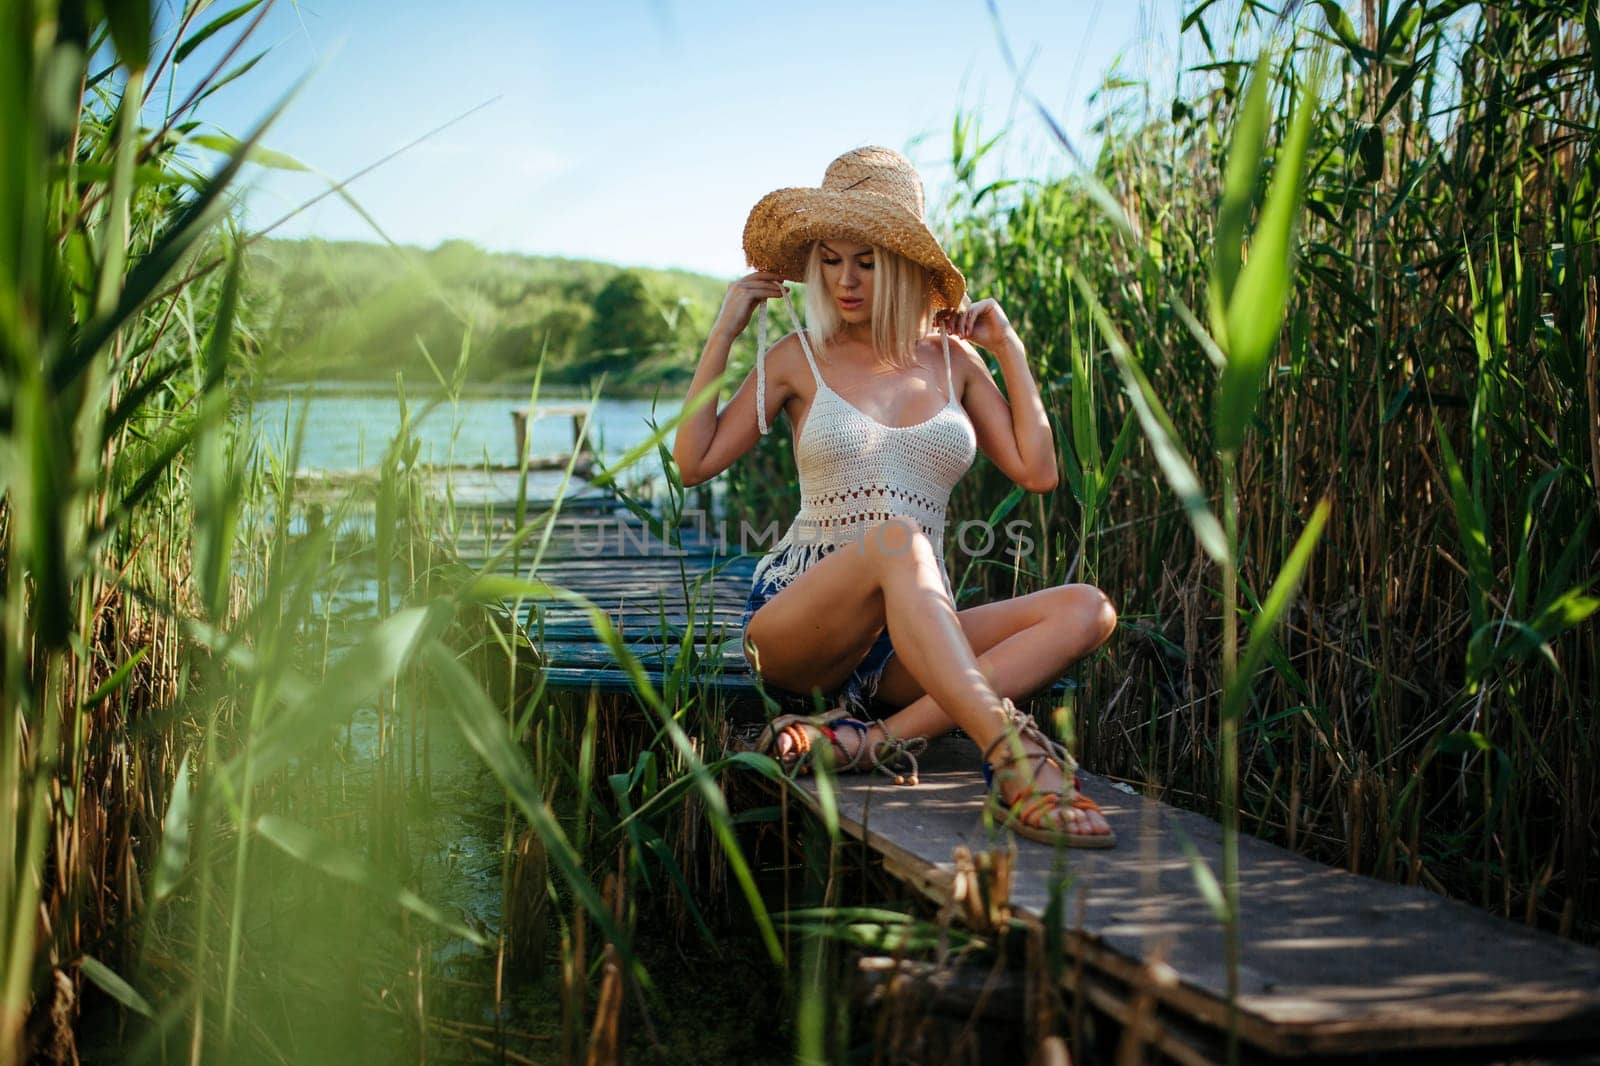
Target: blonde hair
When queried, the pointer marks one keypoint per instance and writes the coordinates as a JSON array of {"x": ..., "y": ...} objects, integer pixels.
[{"x": 900, "y": 304}]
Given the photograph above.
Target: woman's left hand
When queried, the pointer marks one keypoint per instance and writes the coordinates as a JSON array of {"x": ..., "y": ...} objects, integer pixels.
[{"x": 983, "y": 323}]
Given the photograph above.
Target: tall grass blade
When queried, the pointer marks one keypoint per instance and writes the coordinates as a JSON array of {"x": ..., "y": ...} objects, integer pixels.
[
  {"x": 1245, "y": 150},
  {"x": 1472, "y": 525},
  {"x": 1256, "y": 303},
  {"x": 209, "y": 30},
  {"x": 131, "y": 29},
  {"x": 1169, "y": 452},
  {"x": 173, "y": 856},
  {"x": 1279, "y": 597},
  {"x": 175, "y": 242},
  {"x": 114, "y": 986},
  {"x": 312, "y": 712}
]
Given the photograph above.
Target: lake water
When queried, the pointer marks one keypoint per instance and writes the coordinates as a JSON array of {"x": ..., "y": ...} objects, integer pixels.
[{"x": 347, "y": 427}]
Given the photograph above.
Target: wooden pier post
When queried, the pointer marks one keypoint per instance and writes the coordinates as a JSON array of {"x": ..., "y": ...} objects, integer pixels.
[{"x": 520, "y": 419}]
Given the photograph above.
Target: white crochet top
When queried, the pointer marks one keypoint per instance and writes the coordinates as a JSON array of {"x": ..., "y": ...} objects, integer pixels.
[{"x": 856, "y": 472}]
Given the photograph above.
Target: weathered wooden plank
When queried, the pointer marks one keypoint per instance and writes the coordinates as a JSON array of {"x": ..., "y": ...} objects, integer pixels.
[
  {"x": 668, "y": 568},
  {"x": 573, "y": 536},
  {"x": 577, "y": 632},
  {"x": 1333, "y": 963},
  {"x": 612, "y": 680},
  {"x": 641, "y": 611},
  {"x": 666, "y": 577},
  {"x": 575, "y": 627},
  {"x": 623, "y": 573},
  {"x": 475, "y": 556},
  {"x": 598, "y": 657}
]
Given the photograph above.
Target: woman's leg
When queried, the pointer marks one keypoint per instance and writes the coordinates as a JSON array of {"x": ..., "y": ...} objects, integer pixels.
[
  {"x": 814, "y": 632},
  {"x": 1023, "y": 644}
]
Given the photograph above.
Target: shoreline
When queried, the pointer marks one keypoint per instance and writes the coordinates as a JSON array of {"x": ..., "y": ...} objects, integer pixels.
[{"x": 360, "y": 387}]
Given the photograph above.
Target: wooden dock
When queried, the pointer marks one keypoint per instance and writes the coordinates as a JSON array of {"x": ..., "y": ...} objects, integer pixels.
[
  {"x": 651, "y": 590},
  {"x": 1333, "y": 964}
]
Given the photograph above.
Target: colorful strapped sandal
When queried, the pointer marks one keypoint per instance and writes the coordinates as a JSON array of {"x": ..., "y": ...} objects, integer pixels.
[
  {"x": 892, "y": 756},
  {"x": 1032, "y": 813}
]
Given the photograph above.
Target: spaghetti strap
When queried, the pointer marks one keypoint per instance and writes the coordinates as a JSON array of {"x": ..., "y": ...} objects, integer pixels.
[
  {"x": 761, "y": 369},
  {"x": 949, "y": 382},
  {"x": 805, "y": 345},
  {"x": 761, "y": 358}
]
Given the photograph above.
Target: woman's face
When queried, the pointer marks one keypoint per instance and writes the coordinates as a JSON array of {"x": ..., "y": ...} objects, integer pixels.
[{"x": 847, "y": 273}]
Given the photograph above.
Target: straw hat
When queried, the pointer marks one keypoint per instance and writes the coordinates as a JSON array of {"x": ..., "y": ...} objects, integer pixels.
[{"x": 871, "y": 195}]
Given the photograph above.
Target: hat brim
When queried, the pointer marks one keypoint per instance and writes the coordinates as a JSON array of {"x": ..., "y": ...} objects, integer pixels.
[{"x": 784, "y": 224}]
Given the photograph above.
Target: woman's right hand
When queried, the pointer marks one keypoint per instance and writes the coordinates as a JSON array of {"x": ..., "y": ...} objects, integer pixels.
[{"x": 744, "y": 296}]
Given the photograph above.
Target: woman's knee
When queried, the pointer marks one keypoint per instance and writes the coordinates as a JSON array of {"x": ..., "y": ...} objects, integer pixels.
[
  {"x": 900, "y": 542},
  {"x": 1089, "y": 609}
]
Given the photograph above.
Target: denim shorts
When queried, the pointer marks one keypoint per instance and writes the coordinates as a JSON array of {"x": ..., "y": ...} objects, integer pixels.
[{"x": 861, "y": 687}]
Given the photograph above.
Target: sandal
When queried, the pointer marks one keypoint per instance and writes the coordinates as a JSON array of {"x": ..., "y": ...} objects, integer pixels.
[
  {"x": 1032, "y": 813},
  {"x": 889, "y": 755}
]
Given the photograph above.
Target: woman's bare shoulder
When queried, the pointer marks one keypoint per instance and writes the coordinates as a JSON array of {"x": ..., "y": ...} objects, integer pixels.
[
  {"x": 785, "y": 361},
  {"x": 963, "y": 356}
]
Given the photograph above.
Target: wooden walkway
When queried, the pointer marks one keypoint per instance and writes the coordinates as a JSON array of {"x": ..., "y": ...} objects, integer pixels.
[
  {"x": 1333, "y": 964},
  {"x": 650, "y": 590}
]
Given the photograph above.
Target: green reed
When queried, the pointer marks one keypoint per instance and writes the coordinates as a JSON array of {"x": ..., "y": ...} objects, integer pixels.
[
  {"x": 1424, "y": 716},
  {"x": 213, "y": 772},
  {"x": 112, "y": 403}
]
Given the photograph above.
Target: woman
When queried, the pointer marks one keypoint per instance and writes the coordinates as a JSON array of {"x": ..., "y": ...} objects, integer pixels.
[{"x": 887, "y": 416}]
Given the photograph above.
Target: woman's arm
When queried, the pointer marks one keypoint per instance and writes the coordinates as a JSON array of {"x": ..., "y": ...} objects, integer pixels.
[
  {"x": 1016, "y": 435},
  {"x": 707, "y": 442}
]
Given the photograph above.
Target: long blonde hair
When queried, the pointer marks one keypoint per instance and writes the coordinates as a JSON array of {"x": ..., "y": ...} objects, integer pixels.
[{"x": 900, "y": 304}]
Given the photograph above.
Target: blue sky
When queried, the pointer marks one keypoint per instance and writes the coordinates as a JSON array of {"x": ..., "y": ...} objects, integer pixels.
[{"x": 641, "y": 131}]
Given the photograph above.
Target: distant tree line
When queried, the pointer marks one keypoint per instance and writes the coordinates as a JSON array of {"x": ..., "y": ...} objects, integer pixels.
[{"x": 356, "y": 311}]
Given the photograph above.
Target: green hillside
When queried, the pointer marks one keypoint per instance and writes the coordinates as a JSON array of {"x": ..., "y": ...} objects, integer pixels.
[{"x": 358, "y": 311}]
